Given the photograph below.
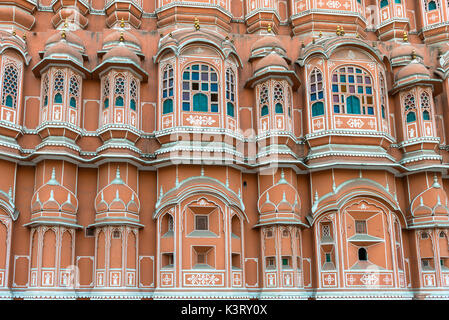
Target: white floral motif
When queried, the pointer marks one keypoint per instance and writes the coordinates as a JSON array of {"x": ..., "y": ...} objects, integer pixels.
[
  {"x": 203, "y": 279},
  {"x": 333, "y": 4},
  {"x": 200, "y": 120},
  {"x": 355, "y": 123},
  {"x": 369, "y": 279}
]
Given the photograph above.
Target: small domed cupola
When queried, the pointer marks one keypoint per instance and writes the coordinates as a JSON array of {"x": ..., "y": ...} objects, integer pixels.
[
  {"x": 404, "y": 54},
  {"x": 415, "y": 74},
  {"x": 267, "y": 44},
  {"x": 117, "y": 203},
  {"x": 62, "y": 49},
  {"x": 121, "y": 49},
  {"x": 273, "y": 66}
]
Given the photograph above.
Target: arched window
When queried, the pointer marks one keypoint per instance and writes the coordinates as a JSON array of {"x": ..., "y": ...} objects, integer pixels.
[
  {"x": 45, "y": 84},
  {"x": 425, "y": 105},
  {"x": 200, "y": 88},
  {"x": 10, "y": 86},
  {"x": 383, "y": 96},
  {"x": 410, "y": 108},
  {"x": 58, "y": 87},
  {"x": 278, "y": 98},
  {"x": 383, "y": 3},
  {"x": 230, "y": 92},
  {"x": 119, "y": 91},
  {"x": 74, "y": 91},
  {"x": 353, "y": 84},
  {"x": 431, "y": 5},
  {"x": 363, "y": 254},
  {"x": 133, "y": 89},
  {"x": 263, "y": 101},
  {"x": 106, "y": 93},
  {"x": 316, "y": 93},
  {"x": 167, "y": 89}
]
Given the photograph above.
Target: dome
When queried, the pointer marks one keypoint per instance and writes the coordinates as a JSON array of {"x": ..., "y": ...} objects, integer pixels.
[
  {"x": 413, "y": 69},
  {"x": 70, "y": 37},
  {"x": 432, "y": 201},
  {"x": 62, "y": 48},
  {"x": 271, "y": 60},
  {"x": 117, "y": 197},
  {"x": 116, "y": 36},
  {"x": 406, "y": 50},
  {"x": 268, "y": 42},
  {"x": 53, "y": 197},
  {"x": 120, "y": 54},
  {"x": 282, "y": 197}
]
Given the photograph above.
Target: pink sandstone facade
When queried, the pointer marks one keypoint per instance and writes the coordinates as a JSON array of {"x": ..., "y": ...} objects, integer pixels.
[{"x": 224, "y": 148}]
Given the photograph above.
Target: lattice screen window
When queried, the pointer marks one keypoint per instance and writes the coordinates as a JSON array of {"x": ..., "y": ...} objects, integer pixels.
[
  {"x": 410, "y": 108},
  {"x": 264, "y": 101},
  {"x": 58, "y": 87},
  {"x": 10, "y": 86}
]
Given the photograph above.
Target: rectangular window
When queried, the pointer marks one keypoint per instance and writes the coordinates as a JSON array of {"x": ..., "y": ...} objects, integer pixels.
[
  {"x": 328, "y": 257},
  {"x": 360, "y": 226},
  {"x": 201, "y": 223},
  {"x": 271, "y": 263},
  {"x": 201, "y": 258}
]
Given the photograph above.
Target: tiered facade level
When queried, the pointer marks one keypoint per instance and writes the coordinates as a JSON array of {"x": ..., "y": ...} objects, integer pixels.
[{"x": 224, "y": 148}]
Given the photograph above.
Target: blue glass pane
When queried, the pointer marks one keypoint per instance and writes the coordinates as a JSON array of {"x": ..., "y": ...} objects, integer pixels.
[
  {"x": 334, "y": 88},
  {"x": 369, "y": 90},
  {"x": 195, "y": 76},
  {"x": 214, "y": 107},
  {"x": 383, "y": 112},
  {"x": 205, "y": 86},
  {"x": 313, "y": 97},
  {"x": 383, "y": 3},
  {"x": 167, "y": 106},
  {"x": 200, "y": 102},
  {"x": 358, "y": 71},
  {"x": 45, "y": 101},
  {"x": 320, "y": 95},
  {"x": 186, "y": 76},
  {"x": 72, "y": 102},
  {"x": 426, "y": 115},
  {"x": 278, "y": 108},
  {"x": 342, "y": 78},
  {"x": 360, "y": 89},
  {"x": 58, "y": 98},
  {"x": 264, "y": 111},
  {"x": 9, "y": 101},
  {"x": 370, "y": 110},
  {"x": 186, "y": 106},
  {"x": 164, "y": 94},
  {"x": 317, "y": 109},
  {"x": 351, "y": 79},
  {"x": 132, "y": 105},
  {"x": 170, "y": 93},
  {"x": 214, "y": 87},
  {"x": 119, "y": 102},
  {"x": 204, "y": 76},
  {"x": 230, "y": 109},
  {"x": 196, "y": 67},
  {"x": 411, "y": 117},
  {"x": 353, "y": 105},
  {"x": 432, "y": 5},
  {"x": 336, "y": 109},
  {"x": 106, "y": 103}
]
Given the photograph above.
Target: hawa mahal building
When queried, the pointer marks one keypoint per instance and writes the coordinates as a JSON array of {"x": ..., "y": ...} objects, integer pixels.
[{"x": 171, "y": 149}]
